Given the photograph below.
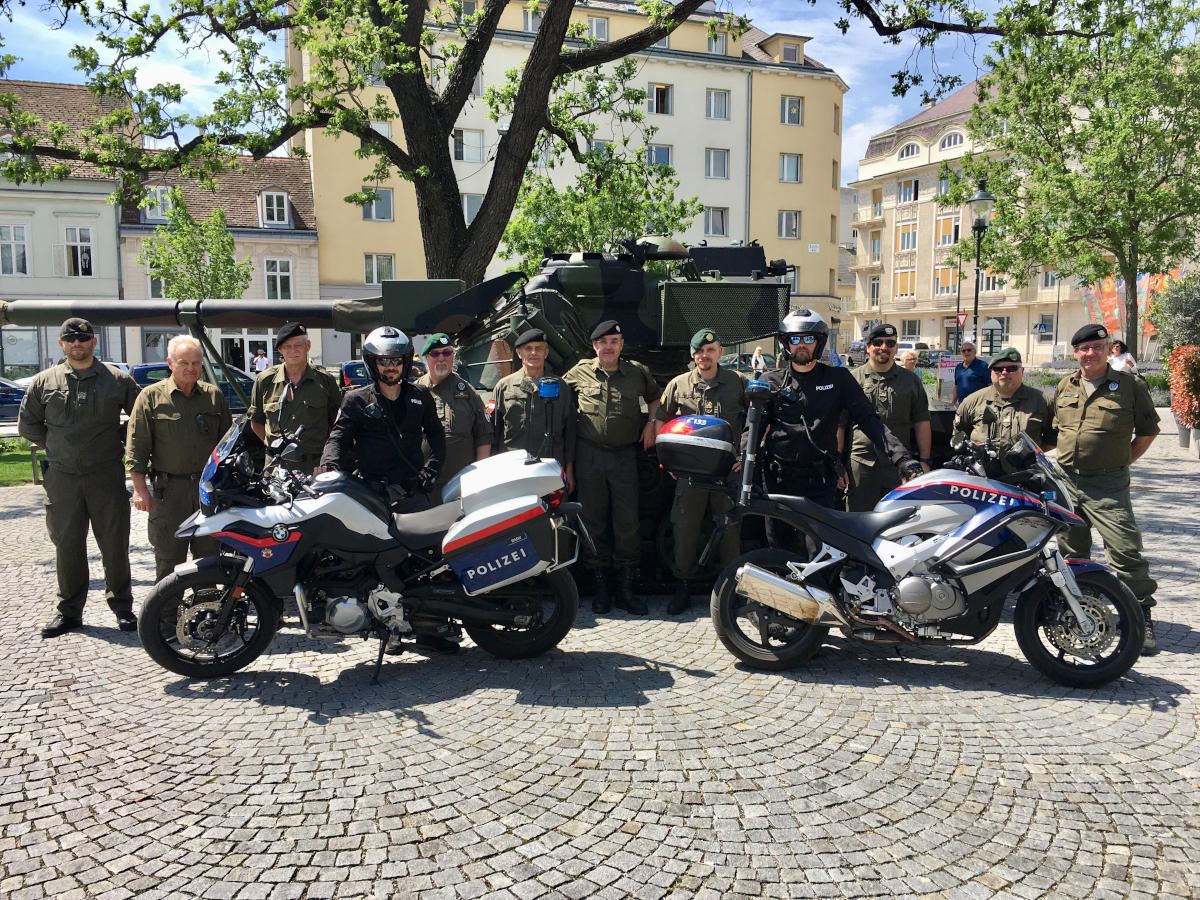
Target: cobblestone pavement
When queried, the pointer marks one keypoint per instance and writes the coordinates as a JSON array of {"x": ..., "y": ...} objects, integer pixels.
[{"x": 637, "y": 760}]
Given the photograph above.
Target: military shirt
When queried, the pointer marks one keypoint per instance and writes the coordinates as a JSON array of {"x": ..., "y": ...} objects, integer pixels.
[
  {"x": 1026, "y": 410},
  {"x": 690, "y": 394},
  {"x": 898, "y": 396},
  {"x": 1094, "y": 433},
  {"x": 313, "y": 403},
  {"x": 463, "y": 418},
  {"x": 609, "y": 403},
  {"x": 519, "y": 417},
  {"x": 173, "y": 432},
  {"x": 76, "y": 415}
]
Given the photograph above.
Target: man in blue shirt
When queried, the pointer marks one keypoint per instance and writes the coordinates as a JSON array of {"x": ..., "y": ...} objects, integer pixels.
[{"x": 970, "y": 375}]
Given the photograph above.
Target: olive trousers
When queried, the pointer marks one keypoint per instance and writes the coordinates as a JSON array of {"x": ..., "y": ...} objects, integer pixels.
[
  {"x": 691, "y": 507},
  {"x": 608, "y": 490},
  {"x": 178, "y": 498},
  {"x": 870, "y": 484}
]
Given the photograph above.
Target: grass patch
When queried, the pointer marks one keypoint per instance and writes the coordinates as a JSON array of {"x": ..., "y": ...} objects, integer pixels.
[{"x": 14, "y": 462}]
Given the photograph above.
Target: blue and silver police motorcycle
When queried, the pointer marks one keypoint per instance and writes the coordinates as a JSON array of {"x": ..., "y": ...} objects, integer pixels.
[{"x": 935, "y": 563}]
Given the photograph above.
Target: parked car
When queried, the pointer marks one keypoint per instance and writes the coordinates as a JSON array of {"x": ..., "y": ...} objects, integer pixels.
[
  {"x": 11, "y": 395},
  {"x": 856, "y": 353},
  {"x": 354, "y": 373},
  {"x": 152, "y": 372},
  {"x": 741, "y": 362}
]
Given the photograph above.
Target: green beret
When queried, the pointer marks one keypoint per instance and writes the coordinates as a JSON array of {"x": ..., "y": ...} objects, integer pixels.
[
  {"x": 436, "y": 340},
  {"x": 1008, "y": 354},
  {"x": 702, "y": 337}
]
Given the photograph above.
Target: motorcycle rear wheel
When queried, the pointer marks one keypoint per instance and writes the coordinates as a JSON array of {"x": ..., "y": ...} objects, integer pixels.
[
  {"x": 556, "y": 615},
  {"x": 189, "y": 648},
  {"x": 761, "y": 637},
  {"x": 1048, "y": 635}
]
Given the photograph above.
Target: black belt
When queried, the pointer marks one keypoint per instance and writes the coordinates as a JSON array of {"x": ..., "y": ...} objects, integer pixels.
[
  {"x": 172, "y": 475},
  {"x": 606, "y": 447}
]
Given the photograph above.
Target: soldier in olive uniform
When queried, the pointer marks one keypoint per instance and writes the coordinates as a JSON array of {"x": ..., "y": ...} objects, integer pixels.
[
  {"x": 465, "y": 421},
  {"x": 1017, "y": 407},
  {"x": 292, "y": 395},
  {"x": 898, "y": 396},
  {"x": 173, "y": 428},
  {"x": 74, "y": 410},
  {"x": 707, "y": 390},
  {"x": 519, "y": 414},
  {"x": 1104, "y": 421},
  {"x": 609, "y": 391}
]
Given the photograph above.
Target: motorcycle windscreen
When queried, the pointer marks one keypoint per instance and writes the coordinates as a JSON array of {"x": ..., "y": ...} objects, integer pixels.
[{"x": 500, "y": 544}]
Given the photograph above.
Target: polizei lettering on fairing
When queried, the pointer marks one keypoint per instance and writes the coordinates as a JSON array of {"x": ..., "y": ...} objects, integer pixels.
[
  {"x": 499, "y": 564},
  {"x": 971, "y": 493}
]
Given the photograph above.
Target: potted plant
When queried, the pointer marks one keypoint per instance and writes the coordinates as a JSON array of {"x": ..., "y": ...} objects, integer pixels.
[{"x": 1183, "y": 366}]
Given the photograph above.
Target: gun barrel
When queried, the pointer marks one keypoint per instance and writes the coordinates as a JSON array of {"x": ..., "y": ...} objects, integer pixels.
[{"x": 343, "y": 315}]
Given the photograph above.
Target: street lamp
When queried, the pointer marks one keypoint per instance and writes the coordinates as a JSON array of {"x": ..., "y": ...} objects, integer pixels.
[{"x": 981, "y": 204}]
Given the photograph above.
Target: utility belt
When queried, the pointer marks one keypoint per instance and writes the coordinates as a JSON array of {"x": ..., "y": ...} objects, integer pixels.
[
  {"x": 160, "y": 480},
  {"x": 1091, "y": 473},
  {"x": 784, "y": 470}
]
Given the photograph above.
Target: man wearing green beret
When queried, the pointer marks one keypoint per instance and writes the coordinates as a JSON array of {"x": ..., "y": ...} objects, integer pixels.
[
  {"x": 465, "y": 421},
  {"x": 1016, "y": 407},
  {"x": 707, "y": 390}
]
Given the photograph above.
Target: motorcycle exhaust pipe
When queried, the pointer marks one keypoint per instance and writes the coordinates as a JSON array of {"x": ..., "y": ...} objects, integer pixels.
[{"x": 788, "y": 597}]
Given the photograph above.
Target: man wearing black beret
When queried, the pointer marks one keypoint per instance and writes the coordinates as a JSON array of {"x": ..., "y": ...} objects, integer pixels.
[
  {"x": 1104, "y": 421},
  {"x": 610, "y": 422}
]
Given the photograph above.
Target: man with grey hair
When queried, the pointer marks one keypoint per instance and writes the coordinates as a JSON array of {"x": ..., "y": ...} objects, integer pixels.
[{"x": 174, "y": 426}]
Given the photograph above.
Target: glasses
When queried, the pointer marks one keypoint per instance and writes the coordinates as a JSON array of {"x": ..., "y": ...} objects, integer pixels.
[
  {"x": 1009, "y": 369},
  {"x": 795, "y": 339},
  {"x": 76, "y": 338},
  {"x": 882, "y": 343},
  {"x": 1093, "y": 347},
  {"x": 389, "y": 361},
  {"x": 445, "y": 351},
  {"x": 968, "y": 349}
]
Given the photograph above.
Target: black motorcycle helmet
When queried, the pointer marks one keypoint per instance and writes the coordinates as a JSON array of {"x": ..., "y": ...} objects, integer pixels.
[
  {"x": 387, "y": 341},
  {"x": 804, "y": 321}
]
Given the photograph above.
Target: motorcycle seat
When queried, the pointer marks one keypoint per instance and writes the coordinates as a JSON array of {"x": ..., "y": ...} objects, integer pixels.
[
  {"x": 862, "y": 526},
  {"x": 418, "y": 530}
]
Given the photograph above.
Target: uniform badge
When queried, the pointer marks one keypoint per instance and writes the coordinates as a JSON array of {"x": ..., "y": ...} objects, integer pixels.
[
  {"x": 1112, "y": 385},
  {"x": 279, "y": 533}
]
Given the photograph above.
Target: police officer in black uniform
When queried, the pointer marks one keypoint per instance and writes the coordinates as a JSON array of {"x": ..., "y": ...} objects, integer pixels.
[{"x": 799, "y": 451}]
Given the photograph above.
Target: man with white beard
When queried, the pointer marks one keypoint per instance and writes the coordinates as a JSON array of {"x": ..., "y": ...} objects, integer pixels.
[{"x": 465, "y": 421}]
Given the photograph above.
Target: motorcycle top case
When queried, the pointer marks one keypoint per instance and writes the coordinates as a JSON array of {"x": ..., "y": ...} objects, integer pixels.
[
  {"x": 499, "y": 544},
  {"x": 701, "y": 446}
]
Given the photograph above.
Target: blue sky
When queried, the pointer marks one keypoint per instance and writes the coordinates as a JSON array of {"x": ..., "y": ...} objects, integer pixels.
[{"x": 863, "y": 60}]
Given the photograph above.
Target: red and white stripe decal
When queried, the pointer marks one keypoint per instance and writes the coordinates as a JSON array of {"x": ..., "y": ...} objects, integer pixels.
[
  {"x": 476, "y": 536},
  {"x": 267, "y": 541}
]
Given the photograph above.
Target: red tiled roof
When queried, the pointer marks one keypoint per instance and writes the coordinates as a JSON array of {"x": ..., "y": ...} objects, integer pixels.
[
  {"x": 72, "y": 104},
  {"x": 928, "y": 122}
]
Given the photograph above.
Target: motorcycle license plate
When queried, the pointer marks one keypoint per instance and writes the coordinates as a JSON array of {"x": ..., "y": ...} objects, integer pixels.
[{"x": 498, "y": 562}]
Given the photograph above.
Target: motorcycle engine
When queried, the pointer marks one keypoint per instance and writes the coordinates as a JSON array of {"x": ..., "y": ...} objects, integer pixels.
[
  {"x": 346, "y": 614},
  {"x": 929, "y": 599}
]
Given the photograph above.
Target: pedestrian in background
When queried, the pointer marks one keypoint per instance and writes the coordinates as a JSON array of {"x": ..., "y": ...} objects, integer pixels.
[
  {"x": 1104, "y": 420},
  {"x": 970, "y": 375},
  {"x": 609, "y": 391},
  {"x": 292, "y": 395},
  {"x": 261, "y": 363},
  {"x": 74, "y": 410},
  {"x": 909, "y": 360},
  {"x": 1121, "y": 359},
  {"x": 758, "y": 363},
  {"x": 1016, "y": 406},
  {"x": 174, "y": 426},
  {"x": 464, "y": 420},
  {"x": 707, "y": 390}
]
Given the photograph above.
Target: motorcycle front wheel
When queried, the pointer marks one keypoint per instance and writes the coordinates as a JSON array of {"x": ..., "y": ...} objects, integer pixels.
[
  {"x": 176, "y": 625},
  {"x": 761, "y": 637},
  {"x": 1051, "y": 639},
  {"x": 550, "y": 619}
]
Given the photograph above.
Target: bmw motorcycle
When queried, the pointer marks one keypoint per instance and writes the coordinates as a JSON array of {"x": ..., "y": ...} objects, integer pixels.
[
  {"x": 935, "y": 563},
  {"x": 494, "y": 557}
]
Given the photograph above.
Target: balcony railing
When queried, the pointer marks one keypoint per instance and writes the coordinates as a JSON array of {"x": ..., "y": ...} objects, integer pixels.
[{"x": 870, "y": 213}]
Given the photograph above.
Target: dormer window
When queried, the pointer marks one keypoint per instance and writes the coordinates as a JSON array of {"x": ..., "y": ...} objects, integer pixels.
[
  {"x": 953, "y": 139},
  {"x": 908, "y": 151},
  {"x": 791, "y": 53},
  {"x": 156, "y": 204},
  {"x": 275, "y": 209}
]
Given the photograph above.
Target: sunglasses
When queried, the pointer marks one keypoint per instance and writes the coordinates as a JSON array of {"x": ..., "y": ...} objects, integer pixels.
[
  {"x": 1005, "y": 368},
  {"x": 795, "y": 339},
  {"x": 77, "y": 338},
  {"x": 390, "y": 360},
  {"x": 968, "y": 349},
  {"x": 883, "y": 343},
  {"x": 446, "y": 351}
]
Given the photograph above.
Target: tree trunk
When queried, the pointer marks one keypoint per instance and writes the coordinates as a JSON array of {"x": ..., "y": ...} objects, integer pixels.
[{"x": 1133, "y": 325}]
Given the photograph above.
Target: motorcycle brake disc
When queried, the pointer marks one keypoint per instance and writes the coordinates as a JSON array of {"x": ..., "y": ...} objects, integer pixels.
[
  {"x": 192, "y": 625},
  {"x": 1068, "y": 638}
]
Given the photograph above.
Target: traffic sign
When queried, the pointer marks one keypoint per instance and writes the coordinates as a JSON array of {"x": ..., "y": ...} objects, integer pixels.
[
  {"x": 962, "y": 319},
  {"x": 1041, "y": 327}
]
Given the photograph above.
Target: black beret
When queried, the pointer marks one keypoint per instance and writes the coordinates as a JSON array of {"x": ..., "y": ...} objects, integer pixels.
[
  {"x": 1093, "y": 331},
  {"x": 882, "y": 330},
  {"x": 533, "y": 334},
  {"x": 605, "y": 328},
  {"x": 76, "y": 325},
  {"x": 288, "y": 331}
]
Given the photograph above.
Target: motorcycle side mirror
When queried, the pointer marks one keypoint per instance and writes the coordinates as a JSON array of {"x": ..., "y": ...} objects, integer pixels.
[
  {"x": 548, "y": 388},
  {"x": 758, "y": 391},
  {"x": 960, "y": 444}
]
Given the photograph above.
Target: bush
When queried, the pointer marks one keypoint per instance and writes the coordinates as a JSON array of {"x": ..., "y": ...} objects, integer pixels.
[
  {"x": 1184, "y": 366},
  {"x": 1176, "y": 314}
]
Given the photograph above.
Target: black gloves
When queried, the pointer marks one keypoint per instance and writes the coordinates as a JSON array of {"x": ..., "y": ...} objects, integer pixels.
[
  {"x": 911, "y": 468},
  {"x": 425, "y": 478}
]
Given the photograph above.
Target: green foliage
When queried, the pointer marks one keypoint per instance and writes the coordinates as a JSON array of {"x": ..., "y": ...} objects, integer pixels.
[
  {"x": 195, "y": 260},
  {"x": 1176, "y": 313}
]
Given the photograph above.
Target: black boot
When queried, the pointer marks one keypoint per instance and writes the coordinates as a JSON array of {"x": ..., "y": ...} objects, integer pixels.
[
  {"x": 602, "y": 598},
  {"x": 681, "y": 600},
  {"x": 625, "y": 598},
  {"x": 1149, "y": 642}
]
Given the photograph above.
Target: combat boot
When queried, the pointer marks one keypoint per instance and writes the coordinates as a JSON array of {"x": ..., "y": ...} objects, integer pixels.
[
  {"x": 681, "y": 600},
  {"x": 1149, "y": 642},
  {"x": 602, "y": 598},
  {"x": 625, "y": 597}
]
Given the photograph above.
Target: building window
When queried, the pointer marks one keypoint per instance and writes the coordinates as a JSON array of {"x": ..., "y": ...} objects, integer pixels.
[
  {"x": 836, "y": 175},
  {"x": 14, "y": 251},
  {"x": 908, "y": 151},
  {"x": 789, "y": 224},
  {"x": 833, "y": 235},
  {"x": 791, "y": 167},
  {"x": 876, "y": 246},
  {"x": 598, "y": 28},
  {"x": 791, "y": 110},
  {"x": 716, "y": 163},
  {"x": 873, "y": 290},
  {"x": 906, "y": 236},
  {"x": 379, "y": 267},
  {"x": 945, "y": 280},
  {"x": 279, "y": 279},
  {"x": 716, "y": 221},
  {"x": 477, "y": 85},
  {"x": 910, "y": 329},
  {"x": 158, "y": 201},
  {"x": 791, "y": 53},
  {"x": 379, "y": 209},
  {"x": 716, "y": 104},
  {"x": 79, "y": 251},
  {"x": 716, "y": 44},
  {"x": 531, "y": 21},
  {"x": 906, "y": 283},
  {"x": 1049, "y": 278},
  {"x": 946, "y": 230},
  {"x": 154, "y": 286},
  {"x": 468, "y": 145},
  {"x": 837, "y": 125},
  {"x": 658, "y": 154},
  {"x": 953, "y": 139},
  {"x": 909, "y": 190},
  {"x": 793, "y": 277},
  {"x": 275, "y": 208},
  {"x": 1046, "y": 332},
  {"x": 658, "y": 99},
  {"x": 471, "y": 204},
  {"x": 943, "y": 187},
  {"x": 992, "y": 281},
  {"x": 601, "y": 147},
  {"x": 468, "y": 8},
  {"x": 663, "y": 43}
]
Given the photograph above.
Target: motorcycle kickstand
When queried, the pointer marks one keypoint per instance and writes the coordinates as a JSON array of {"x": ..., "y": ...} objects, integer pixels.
[{"x": 379, "y": 659}]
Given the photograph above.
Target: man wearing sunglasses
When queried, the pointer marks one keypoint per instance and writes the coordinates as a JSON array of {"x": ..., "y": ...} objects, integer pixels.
[
  {"x": 898, "y": 396},
  {"x": 1016, "y": 406},
  {"x": 970, "y": 375},
  {"x": 74, "y": 410},
  {"x": 465, "y": 421}
]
